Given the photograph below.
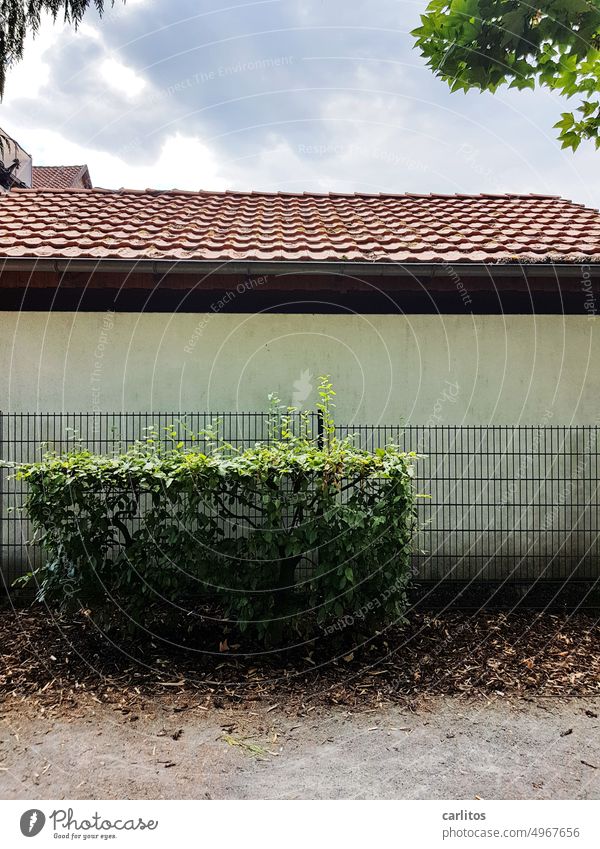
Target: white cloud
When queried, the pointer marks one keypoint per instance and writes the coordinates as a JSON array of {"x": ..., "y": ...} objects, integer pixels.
[
  {"x": 122, "y": 79},
  {"x": 355, "y": 111},
  {"x": 184, "y": 162},
  {"x": 89, "y": 31}
]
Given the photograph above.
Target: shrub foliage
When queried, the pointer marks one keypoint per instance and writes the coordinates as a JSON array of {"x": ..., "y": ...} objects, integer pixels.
[{"x": 290, "y": 536}]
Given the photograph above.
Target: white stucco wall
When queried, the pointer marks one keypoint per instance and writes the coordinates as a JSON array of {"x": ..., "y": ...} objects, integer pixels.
[
  {"x": 419, "y": 369},
  {"x": 459, "y": 368}
]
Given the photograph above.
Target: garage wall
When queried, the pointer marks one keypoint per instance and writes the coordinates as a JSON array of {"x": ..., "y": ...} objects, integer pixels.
[
  {"x": 502, "y": 506},
  {"x": 448, "y": 369}
]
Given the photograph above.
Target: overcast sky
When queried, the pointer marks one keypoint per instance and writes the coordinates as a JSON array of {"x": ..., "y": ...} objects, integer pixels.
[{"x": 287, "y": 95}]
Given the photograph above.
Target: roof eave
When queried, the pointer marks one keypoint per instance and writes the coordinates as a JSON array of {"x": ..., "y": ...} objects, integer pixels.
[{"x": 346, "y": 268}]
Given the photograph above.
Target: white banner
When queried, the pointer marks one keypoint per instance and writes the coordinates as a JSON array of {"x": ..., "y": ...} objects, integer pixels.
[{"x": 302, "y": 824}]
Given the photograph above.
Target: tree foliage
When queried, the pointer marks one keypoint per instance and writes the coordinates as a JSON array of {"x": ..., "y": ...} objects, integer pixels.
[
  {"x": 289, "y": 537},
  {"x": 20, "y": 17},
  {"x": 484, "y": 44}
]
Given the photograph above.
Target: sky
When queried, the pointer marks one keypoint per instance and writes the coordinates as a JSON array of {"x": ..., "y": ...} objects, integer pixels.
[{"x": 278, "y": 95}]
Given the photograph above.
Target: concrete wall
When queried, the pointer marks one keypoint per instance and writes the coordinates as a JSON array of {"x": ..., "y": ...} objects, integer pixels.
[{"x": 450, "y": 369}]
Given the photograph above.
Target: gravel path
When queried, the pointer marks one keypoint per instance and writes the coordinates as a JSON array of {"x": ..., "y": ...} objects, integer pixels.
[{"x": 446, "y": 748}]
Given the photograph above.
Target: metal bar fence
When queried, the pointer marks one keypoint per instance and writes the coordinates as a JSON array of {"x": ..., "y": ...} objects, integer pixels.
[{"x": 508, "y": 504}]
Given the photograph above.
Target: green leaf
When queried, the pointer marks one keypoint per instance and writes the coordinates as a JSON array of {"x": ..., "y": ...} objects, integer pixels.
[{"x": 487, "y": 43}]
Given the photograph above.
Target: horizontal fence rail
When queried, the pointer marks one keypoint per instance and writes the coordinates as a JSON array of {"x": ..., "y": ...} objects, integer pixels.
[{"x": 503, "y": 504}]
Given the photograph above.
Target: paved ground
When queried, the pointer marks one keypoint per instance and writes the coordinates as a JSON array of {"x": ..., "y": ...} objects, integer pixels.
[{"x": 448, "y": 748}]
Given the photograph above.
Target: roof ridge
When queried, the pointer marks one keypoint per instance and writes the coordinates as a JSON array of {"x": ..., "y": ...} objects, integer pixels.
[
  {"x": 305, "y": 194},
  {"x": 83, "y": 165}
]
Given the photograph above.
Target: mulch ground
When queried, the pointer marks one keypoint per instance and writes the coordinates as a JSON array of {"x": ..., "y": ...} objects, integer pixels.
[{"x": 55, "y": 660}]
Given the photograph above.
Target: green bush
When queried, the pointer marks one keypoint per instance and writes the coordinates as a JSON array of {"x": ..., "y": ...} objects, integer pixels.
[{"x": 290, "y": 537}]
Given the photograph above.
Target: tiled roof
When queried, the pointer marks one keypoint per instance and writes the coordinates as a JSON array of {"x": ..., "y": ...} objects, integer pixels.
[
  {"x": 178, "y": 225},
  {"x": 60, "y": 177}
]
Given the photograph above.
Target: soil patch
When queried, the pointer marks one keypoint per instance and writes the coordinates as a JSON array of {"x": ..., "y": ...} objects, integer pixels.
[{"x": 527, "y": 654}]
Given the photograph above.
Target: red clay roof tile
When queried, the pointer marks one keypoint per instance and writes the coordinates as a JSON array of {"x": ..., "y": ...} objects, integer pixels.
[{"x": 222, "y": 226}]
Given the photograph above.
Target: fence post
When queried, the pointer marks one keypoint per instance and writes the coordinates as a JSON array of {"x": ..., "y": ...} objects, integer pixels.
[{"x": 1, "y": 494}]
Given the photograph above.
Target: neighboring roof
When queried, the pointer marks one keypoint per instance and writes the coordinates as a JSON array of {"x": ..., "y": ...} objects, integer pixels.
[
  {"x": 234, "y": 226},
  {"x": 60, "y": 177}
]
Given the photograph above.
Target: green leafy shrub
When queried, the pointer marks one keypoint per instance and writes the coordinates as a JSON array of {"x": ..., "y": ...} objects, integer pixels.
[{"x": 290, "y": 537}]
